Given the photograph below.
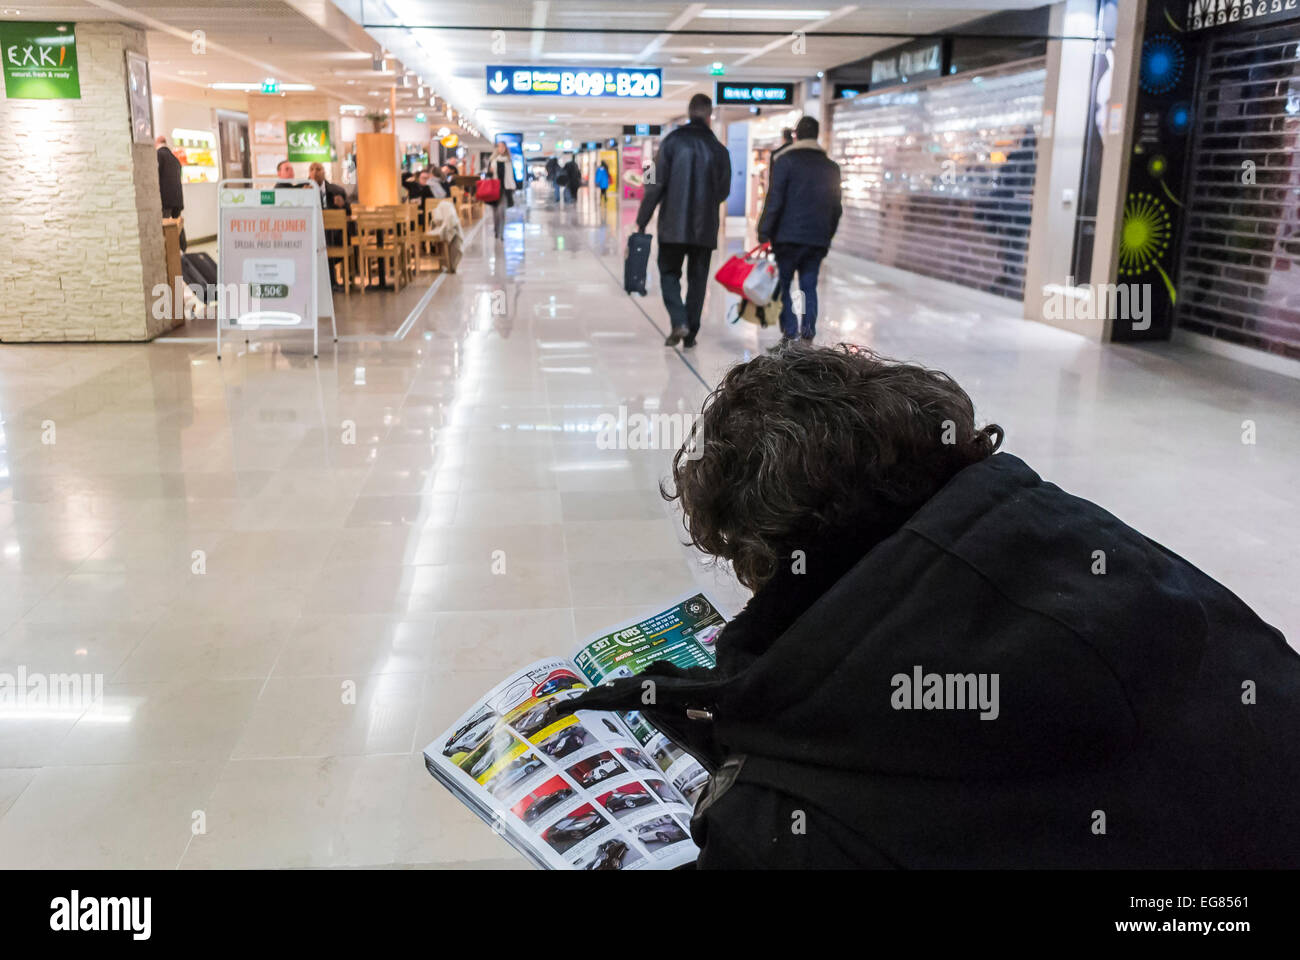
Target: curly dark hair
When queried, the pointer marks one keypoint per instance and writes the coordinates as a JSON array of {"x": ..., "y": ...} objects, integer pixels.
[{"x": 813, "y": 439}]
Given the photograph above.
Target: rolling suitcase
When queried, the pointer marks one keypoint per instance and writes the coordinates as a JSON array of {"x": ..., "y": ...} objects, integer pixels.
[
  {"x": 636, "y": 262},
  {"x": 199, "y": 270}
]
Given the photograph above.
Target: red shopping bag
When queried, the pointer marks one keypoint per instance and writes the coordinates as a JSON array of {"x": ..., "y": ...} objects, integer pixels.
[
  {"x": 732, "y": 274},
  {"x": 489, "y": 190}
]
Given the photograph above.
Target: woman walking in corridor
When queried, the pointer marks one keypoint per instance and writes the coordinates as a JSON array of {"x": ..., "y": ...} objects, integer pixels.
[{"x": 502, "y": 168}]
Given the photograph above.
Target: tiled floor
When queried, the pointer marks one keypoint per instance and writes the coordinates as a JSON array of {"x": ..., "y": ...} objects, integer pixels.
[{"x": 205, "y": 537}]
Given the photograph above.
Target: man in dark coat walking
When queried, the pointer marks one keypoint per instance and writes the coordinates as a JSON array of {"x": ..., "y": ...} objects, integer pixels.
[
  {"x": 572, "y": 178},
  {"x": 553, "y": 175},
  {"x": 949, "y": 662},
  {"x": 690, "y": 179},
  {"x": 169, "y": 184},
  {"x": 801, "y": 215}
]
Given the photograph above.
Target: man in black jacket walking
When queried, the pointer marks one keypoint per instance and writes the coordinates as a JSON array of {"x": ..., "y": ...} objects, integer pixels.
[
  {"x": 691, "y": 179},
  {"x": 950, "y": 662},
  {"x": 169, "y": 184},
  {"x": 802, "y": 212}
]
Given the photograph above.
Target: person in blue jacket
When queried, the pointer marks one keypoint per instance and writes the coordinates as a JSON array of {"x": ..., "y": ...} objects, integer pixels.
[{"x": 602, "y": 180}]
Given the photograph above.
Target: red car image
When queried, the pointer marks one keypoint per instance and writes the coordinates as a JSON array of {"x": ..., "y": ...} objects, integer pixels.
[
  {"x": 550, "y": 794},
  {"x": 557, "y": 681}
]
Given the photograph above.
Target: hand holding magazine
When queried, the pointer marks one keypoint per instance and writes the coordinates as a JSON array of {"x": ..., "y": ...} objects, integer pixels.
[{"x": 594, "y": 790}]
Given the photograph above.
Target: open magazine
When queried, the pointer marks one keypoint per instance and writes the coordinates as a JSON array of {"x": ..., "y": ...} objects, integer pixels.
[{"x": 593, "y": 790}]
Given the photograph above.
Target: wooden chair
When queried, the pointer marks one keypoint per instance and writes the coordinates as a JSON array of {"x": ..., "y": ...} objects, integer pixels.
[
  {"x": 379, "y": 241},
  {"x": 409, "y": 223},
  {"x": 344, "y": 250},
  {"x": 464, "y": 205}
]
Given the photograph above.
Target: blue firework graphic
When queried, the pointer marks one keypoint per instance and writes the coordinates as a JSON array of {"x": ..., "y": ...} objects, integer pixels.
[
  {"x": 1179, "y": 117},
  {"x": 1163, "y": 59}
]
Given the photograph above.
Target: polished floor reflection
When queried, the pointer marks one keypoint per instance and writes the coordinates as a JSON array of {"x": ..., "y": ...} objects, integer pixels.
[{"x": 278, "y": 579}]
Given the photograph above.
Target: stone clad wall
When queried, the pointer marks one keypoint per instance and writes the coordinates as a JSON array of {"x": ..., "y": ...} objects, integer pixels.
[{"x": 80, "y": 215}]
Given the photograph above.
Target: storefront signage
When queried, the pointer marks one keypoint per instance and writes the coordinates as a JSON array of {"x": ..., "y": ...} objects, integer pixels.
[
  {"x": 1227, "y": 14},
  {"x": 907, "y": 64},
  {"x": 309, "y": 140},
  {"x": 641, "y": 129},
  {"x": 40, "y": 60},
  {"x": 640, "y": 84},
  {"x": 754, "y": 94},
  {"x": 845, "y": 91}
]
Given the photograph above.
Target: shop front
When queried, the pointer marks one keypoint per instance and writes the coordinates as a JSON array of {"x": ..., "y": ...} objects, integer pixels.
[
  {"x": 1212, "y": 207},
  {"x": 937, "y": 144},
  {"x": 211, "y": 145}
]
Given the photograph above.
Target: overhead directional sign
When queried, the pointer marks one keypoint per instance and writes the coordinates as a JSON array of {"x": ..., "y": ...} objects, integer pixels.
[
  {"x": 641, "y": 83},
  {"x": 754, "y": 94}
]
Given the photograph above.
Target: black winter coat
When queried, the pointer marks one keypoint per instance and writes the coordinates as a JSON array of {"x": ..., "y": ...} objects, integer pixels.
[
  {"x": 803, "y": 199},
  {"x": 1145, "y": 716},
  {"x": 692, "y": 177},
  {"x": 169, "y": 180}
]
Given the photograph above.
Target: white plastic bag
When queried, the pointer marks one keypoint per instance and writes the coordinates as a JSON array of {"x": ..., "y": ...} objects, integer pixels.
[{"x": 760, "y": 285}]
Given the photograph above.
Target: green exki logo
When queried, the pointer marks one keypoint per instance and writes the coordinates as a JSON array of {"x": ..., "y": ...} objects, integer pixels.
[
  {"x": 306, "y": 140},
  {"x": 30, "y": 55}
]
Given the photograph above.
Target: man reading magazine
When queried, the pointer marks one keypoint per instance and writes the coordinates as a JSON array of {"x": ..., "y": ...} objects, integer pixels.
[{"x": 949, "y": 662}]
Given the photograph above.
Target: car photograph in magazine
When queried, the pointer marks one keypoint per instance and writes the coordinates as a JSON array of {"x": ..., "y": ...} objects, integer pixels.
[{"x": 592, "y": 790}]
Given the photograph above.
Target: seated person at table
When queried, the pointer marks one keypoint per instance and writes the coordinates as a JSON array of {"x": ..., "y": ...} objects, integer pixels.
[
  {"x": 431, "y": 186},
  {"x": 332, "y": 197},
  {"x": 284, "y": 170},
  {"x": 331, "y": 194},
  {"x": 948, "y": 661}
]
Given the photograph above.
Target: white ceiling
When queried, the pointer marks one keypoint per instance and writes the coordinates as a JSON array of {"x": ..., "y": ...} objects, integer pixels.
[
  {"x": 321, "y": 42},
  {"x": 753, "y": 40}
]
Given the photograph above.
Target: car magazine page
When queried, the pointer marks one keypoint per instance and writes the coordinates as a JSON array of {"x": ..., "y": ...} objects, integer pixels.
[
  {"x": 683, "y": 635},
  {"x": 577, "y": 792}
]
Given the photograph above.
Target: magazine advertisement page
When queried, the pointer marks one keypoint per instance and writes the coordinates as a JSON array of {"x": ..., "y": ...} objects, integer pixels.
[
  {"x": 575, "y": 792},
  {"x": 683, "y": 635}
]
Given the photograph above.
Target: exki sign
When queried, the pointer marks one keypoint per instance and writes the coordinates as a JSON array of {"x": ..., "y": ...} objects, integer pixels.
[
  {"x": 309, "y": 140},
  {"x": 40, "y": 60}
]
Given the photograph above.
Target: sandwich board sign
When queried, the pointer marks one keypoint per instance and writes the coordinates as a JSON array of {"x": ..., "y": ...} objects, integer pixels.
[{"x": 272, "y": 271}]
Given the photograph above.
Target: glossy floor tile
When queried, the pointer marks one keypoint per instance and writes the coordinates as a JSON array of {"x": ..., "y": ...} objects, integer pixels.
[{"x": 276, "y": 579}]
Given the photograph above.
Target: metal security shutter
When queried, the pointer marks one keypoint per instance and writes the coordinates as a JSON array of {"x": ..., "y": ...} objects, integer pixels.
[
  {"x": 1240, "y": 276},
  {"x": 940, "y": 180}
]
